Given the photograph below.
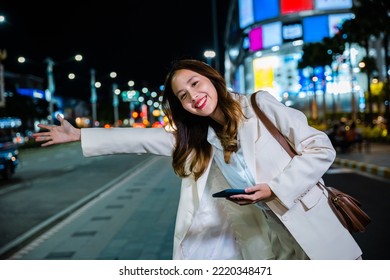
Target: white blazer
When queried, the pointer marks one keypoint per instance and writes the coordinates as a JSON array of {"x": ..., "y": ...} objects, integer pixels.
[{"x": 300, "y": 204}]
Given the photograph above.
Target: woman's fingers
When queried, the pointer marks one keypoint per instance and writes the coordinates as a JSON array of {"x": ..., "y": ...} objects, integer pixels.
[
  {"x": 41, "y": 134},
  {"x": 42, "y": 138},
  {"x": 48, "y": 143},
  {"x": 44, "y": 126},
  {"x": 60, "y": 119},
  {"x": 55, "y": 134}
]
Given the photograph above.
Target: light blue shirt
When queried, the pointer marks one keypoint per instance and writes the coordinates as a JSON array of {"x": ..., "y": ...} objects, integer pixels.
[{"x": 236, "y": 173}]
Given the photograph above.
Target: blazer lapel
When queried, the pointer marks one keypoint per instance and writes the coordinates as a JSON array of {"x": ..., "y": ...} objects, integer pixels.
[
  {"x": 201, "y": 183},
  {"x": 248, "y": 134},
  {"x": 190, "y": 197}
]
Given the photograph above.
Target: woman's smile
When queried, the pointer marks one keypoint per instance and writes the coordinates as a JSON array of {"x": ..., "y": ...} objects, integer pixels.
[{"x": 201, "y": 103}]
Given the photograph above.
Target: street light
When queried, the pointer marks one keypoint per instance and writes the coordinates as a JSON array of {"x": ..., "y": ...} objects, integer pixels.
[
  {"x": 115, "y": 102},
  {"x": 51, "y": 84},
  {"x": 50, "y": 87},
  {"x": 93, "y": 96},
  {"x": 214, "y": 9},
  {"x": 50, "y": 79},
  {"x": 209, "y": 54},
  {"x": 132, "y": 101},
  {"x": 3, "y": 55},
  {"x": 113, "y": 89},
  {"x": 115, "y": 99}
]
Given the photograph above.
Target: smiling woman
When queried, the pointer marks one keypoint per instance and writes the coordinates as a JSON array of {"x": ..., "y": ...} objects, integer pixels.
[
  {"x": 197, "y": 94},
  {"x": 217, "y": 142}
]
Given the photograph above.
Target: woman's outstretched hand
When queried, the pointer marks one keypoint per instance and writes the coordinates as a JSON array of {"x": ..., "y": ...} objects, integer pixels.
[{"x": 57, "y": 134}]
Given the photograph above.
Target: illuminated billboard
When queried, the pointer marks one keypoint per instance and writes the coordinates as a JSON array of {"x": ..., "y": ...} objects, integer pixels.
[
  {"x": 292, "y": 31},
  {"x": 265, "y": 36},
  {"x": 265, "y": 9},
  {"x": 263, "y": 72},
  {"x": 333, "y": 4},
  {"x": 252, "y": 11},
  {"x": 294, "y": 6},
  {"x": 272, "y": 34},
  {"x": 315, "y": 28},
  {"x": 245, "y": 9},
  {"x": 256, "y": 39}
]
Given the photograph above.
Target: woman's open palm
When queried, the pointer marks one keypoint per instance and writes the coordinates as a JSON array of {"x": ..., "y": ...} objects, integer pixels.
[{"x": 56, "y": 134}]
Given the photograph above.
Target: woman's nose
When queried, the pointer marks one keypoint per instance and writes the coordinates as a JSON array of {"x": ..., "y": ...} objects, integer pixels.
[{"x": 193, "y": 95}]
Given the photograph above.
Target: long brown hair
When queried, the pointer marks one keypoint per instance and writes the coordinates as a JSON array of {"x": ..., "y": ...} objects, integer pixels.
[{"x": 192, "y": 152}]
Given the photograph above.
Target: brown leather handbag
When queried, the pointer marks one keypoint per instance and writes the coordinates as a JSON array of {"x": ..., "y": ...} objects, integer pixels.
[{"x": 346, "y": 208}]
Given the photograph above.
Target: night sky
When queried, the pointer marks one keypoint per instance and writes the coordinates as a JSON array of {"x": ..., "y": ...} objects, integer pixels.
[{"x": 137, "y": 39}]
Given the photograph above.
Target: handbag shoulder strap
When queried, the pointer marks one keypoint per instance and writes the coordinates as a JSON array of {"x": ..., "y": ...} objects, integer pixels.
[
  {"x": 275, "y": 132},
  {"x": 272, "y": 128}
]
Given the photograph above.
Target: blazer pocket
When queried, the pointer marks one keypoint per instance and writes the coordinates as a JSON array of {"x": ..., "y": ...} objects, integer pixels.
[{"x": 310, "y": 198}]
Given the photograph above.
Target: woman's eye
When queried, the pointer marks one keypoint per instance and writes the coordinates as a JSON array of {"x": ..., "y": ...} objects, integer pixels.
[{"x": 182, "y": 96}]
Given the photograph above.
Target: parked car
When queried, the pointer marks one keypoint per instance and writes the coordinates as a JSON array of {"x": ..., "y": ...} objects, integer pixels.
[{"x": 9, "y": 135}]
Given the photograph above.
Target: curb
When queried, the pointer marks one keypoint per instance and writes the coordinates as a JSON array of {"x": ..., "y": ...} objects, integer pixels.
[{"x": 364, "y": 167}]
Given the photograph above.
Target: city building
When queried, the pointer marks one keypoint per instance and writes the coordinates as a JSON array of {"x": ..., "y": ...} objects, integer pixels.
[{"x": 264, "y": 41}]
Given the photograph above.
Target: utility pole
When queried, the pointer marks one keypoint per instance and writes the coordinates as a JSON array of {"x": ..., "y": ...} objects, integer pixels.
[
  {"x": 353, "y": 99},
  {"x": 3, "y": 56},
  {"x": 93, "y": 97},
  {"x": 215, "y": 32},
  {"x": 50, "y": 88},
  {"x": 115, "y": 103}
]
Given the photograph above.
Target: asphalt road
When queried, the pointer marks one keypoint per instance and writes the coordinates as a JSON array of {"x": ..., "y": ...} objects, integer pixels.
[
  {"x": 373, "y": 194},
  {"x": 50, "y": 180}
]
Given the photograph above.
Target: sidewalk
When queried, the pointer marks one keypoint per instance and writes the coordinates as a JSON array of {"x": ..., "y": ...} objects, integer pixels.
[{"x": 374, "y": 161}]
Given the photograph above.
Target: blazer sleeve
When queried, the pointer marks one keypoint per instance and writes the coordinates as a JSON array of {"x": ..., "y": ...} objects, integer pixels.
[
  {"x": 106, "y": 141},
  {"x": 315, "y": 151}
]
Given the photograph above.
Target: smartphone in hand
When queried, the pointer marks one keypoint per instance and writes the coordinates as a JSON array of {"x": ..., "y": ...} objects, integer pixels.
[{"x": 229, "y": 192}]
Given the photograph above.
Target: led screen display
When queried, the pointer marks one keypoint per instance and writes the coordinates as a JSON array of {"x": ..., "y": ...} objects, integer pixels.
[
  {"x": 292, "y": 31},
  {"x": 272, "y": 34},
  {"x": 265, "y": 9},
  {"x": 36, "y": 93},
  {"x": 263, "y": 72},
  {"x": 256, "y": 39},
  {"x": 293, "y": 6},
  {"x": 245, "y": 9},
  {"x": 239, "y": 83},
  {"x": 315, "y": 28},
  {"x": 333, "y": 4}
]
